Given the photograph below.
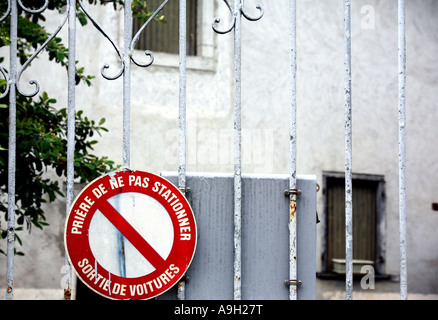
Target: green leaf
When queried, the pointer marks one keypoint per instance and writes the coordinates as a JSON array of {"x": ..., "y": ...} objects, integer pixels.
[
  {"x": 18, "y": 238},
  {"x": 60, "y": 55},
  {"x": 90, "y": 166}
]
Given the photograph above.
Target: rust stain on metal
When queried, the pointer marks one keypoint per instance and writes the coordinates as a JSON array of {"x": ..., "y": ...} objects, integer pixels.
[
  {"x": 293, "y": 202},
  {"x": 67, "y": 294},
  {"x": 293, "y": 209}
]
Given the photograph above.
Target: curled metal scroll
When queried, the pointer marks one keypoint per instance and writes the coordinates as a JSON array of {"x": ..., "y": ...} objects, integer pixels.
[
  {"x": 241, "y": 10},
  {"x": 131, "y": 48},
  {"x": 32, "y": 57},
  {"x": 5, "y": 75},
  {"x": 26, "y": 9},
  {"x": 3, "y": 71},
  {"x": 119, "y": 53},
  {"x": 38, "y": 10},
  {"x": 37, "y": 51},
  {"x": 26, "y": 64},
  {"x": 233, "y": 20},
  {"x": 8, "y": 10},
  {"x": 137, "y": 36},
  {"x": 250, "y": 18}
]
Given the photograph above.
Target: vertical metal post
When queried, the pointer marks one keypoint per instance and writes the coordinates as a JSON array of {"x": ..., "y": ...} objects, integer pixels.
[
  {"x": 127, "y": 36},
  {"x": 70, "y": 126},
  {"x": 402, "y": 146},
  {"x": 182, "y": 113},
  {"x": 12, "y": 153},
  {"x": 237, "y": 153},
  {"x": 348, "y": 155},
  {"x": 237, "y": 13},
  {"x": 127, "y": 54},
  {"x": 293, "y": 159},
  {"x": 182, "y": 96}
]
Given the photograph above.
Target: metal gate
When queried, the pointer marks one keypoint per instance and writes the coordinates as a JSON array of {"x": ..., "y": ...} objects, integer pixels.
[{"x": 237, "y": 11}]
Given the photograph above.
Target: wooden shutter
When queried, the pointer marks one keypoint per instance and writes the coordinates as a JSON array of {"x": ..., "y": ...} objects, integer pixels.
[
  {"x": 164, "y": 37},
  {"x": 364, "y": 220}
]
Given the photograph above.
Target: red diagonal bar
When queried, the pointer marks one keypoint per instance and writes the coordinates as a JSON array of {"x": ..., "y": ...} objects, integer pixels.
[{"x": 131, "y": 235}]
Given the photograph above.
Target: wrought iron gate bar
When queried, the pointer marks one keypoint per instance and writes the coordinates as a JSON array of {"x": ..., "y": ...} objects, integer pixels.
[
  {"x": 127, "y": 37},
  {"x": 182, "y": 132},
  {"x": 12, "y": 152},
  {"x": 236, "y": 16},
  {"x": 12, "y": 87},
  {"x": 402, "y": 146},
  {"x": 348, "y": 154},
  {"x": 293, "y": 155},
  {"x": 3, "y": 71},
  {"x": 71, "y": 10}
]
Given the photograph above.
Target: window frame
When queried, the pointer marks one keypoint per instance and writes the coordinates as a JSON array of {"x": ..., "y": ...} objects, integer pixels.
[
  {"x": 204, "y": 60},
  {"x": 164, "y": 37},
  {"x": 380, "y": 265}
]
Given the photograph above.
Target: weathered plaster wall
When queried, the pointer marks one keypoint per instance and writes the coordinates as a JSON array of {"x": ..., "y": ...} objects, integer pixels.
[{"x": 265, "y": 114}]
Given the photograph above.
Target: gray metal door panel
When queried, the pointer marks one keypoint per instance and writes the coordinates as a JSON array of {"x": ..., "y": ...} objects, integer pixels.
[{"x": 265, "y": 237}]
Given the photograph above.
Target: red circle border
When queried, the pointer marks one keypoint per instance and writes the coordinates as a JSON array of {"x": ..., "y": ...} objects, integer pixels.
[{"x": 78, "y": 249}]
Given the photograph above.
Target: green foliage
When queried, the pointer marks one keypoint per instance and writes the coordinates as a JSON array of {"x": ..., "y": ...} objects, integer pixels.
[
  {"x": 140, "y": 12},
  {"x": 41, "y": 145},
  {"x": 42, "y": 128}
]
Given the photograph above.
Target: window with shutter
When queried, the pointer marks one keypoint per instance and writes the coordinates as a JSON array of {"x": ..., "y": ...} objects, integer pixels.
[
  {"x": 368, "y": 212},
  {"x": 164, "y": 37}
]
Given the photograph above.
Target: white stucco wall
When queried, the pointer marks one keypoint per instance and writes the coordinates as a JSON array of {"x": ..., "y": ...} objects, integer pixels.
[{"x": 265, "y": 111}]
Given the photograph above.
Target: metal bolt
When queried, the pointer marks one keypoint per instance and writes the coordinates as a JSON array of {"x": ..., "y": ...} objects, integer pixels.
[
  {"x": 288, "y": 192},
  {"x": 293, "y": 282}
]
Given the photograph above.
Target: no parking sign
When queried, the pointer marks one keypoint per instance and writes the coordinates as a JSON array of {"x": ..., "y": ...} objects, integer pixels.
[{"x": 130, "y": 235}]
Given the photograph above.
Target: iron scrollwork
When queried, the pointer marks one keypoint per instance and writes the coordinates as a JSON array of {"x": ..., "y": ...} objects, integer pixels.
[
  {"x": 100, "y": 29},
  {"x": 133, "y": 41},
  {"x": 239, "y": 10},
  {"x": 137, "y": 36},
  {"x": 8, "y": 11},
  {"x": 42, "y": 8},
  {"x": 37, "y": 51},
  {"x": 5, "y": 76}
]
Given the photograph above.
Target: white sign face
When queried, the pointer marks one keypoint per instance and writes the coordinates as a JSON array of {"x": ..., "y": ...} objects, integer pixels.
[{"x": 148, "y": 217}]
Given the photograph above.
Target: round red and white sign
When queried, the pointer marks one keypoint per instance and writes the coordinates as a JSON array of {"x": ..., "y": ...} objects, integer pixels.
[{"x": 130, "y": 235}]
